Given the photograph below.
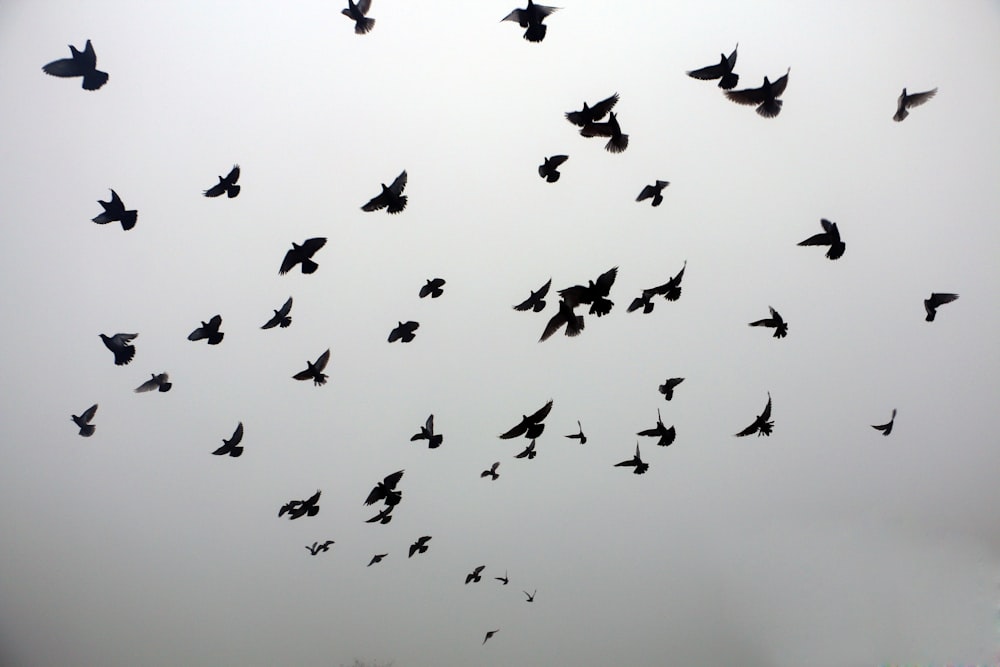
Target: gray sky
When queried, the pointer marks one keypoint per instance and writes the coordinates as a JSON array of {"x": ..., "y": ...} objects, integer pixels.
[{"x": 825, "y": 544}]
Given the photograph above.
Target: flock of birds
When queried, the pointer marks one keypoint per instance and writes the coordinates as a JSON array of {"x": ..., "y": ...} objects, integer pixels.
[{"x": 596, "y": 293}]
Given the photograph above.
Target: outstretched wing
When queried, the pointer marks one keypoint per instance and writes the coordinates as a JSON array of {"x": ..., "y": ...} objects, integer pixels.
[
  {"x": 322, "y": 361},
  {"x": 916, "y": 99}
]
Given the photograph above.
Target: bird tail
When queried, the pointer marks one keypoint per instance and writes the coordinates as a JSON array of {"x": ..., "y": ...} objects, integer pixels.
[
  {"x": 574, "y": 326},
  {"x": 900, "y": 115},
  {"x": 309, "y": 266},
  {"x": 364, "y": 26},
  {"x": 166, "y": 386},
  {"x": 770, "y": 109},
  {"x": 729, "y": 81},
  {"x": 94, "y": 80},
  {"x": 232, "y": 191},
  {"x": 617, "y": 144},
  {"x": 128, "y": 219},
  {"x": 535, "y": 32},
  {"x": 673, "y": 294},
  {"x": 87, "y": 430}
]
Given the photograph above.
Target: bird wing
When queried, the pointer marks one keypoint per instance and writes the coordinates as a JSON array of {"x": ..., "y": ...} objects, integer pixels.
[
  {"x": 198, "y": 334},
  {"x": 916, "y": 99},
  {"x": 215, "y": 322},
  {"x": 597, "y": 130},
  {"x": 310, "y": 246},
  {"x": 940, "y": 298},
  {"x": 764, "y": 416},
  {"x": 541, "y": 413},
  {"x": 237, "y": 435},
  {"x": 778, "y": 87},
  {"x": 148, "y": 385},
  {"x": 286, "y": 308},
  {"x": 647, "y": 192},
  {"x": 364, "y": 5},
  {"x": 322, "y": 361},
  {"x": 752, "y": 96},
  {"x": 216, "y": 190},
  {"x": 291, "y": 259},
  {"x": 429, "y": 424},
  {"x": 303, "y": 375},
  {"x": 731, "y": 60},
  {"x": 233, "y": 175},
  {"x": 708, "y": 73},
  {"x": 376, "y": 494},
  {"x": 376, "y": 203},
  {"x": 602, "y": 108},
  {"x": 516, "y": 15},
  {"x": 748, "y": 430},
  {"x": 518, "y": 430},
  {"x": 556, "y": 160},
  {"x": 397, "y": 185},
  {"x": 89, "y": 413},
  {"x": 392, "y": 480},
  {"x": 606, "y": 280},
  {"x": 64, "y": 67},
  {"x": 817, "y": 239}
]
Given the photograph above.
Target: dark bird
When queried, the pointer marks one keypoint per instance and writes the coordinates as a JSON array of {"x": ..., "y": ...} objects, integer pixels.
[
  {"x": 567, "y": 316},
  {"x": 504, "y": 580},
  {"x": 670, "y": 290},
  {"x": 530, "y": 426},
  {"x": 302, "y": 253},
  {"x": 595, "y": 293},
  {"x": 474, "y": 575},
  {"x": 775, "y": 322},
  {"x": 317, "y": 547},
  {"x": 119, "y": 346},
  {"x": 404, "y": 331},
  {"x": 644, "y": 301},
  {"x": 226, "y": 184},
  {"x": 209, "y": 330},
  {"x": 383, "y": 517},
  {"x": 314, "y": 371},
  {"x": 531, "y": 596},
  {"x": 655, "y": 191},
  {"x": 666, "y": 435},
  {"x": 232, "y": 446},
  {"x": 906, "y": 101},
  {"x": 356, "y": 12},
  {"x": 386, "y": 490},
  {"x": 578, "y": 436},
  {"x": 420, "y": 546},
  {"x": 830, "y": 237},
  {"x": 377, "y": 558},
  {"x": 885, "y": 428},
  {"x": 281, "y": 317},
  {"x": 531, "y": 17},
  {"x": 299, "y": 508},
  {"x": 114, "y": 211},
  {"x": 433, "y": 288},
  {"x": 592, "y": 114},
  {"x": 634, "y": 462},
  {"x": 617, "y": 142},
  {"x": 391, "y": 198},
  {"x": 931, "y": 304},
  {"x": 535, "y": 302},
  {"x": 667, "y": 388},
  {"x": 81, "y": 64},
  {"x": 83, "y": 421},
  {"x": 549, "y": 170},
  {"x": 492, "y": 632},
  {"x": 528, "y": 452},
  {"x": 492, "y": 472},
  {"x": 722, "y": 71},
  {"x": 762, "y": 425},
  {"x": 764, "y": 98},
  {"x": 158, "y": 381},
  {"x": 427, "y": 433}
]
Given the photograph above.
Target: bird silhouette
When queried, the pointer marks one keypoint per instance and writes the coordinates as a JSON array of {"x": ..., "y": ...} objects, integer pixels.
[
  {"x": 404, "y": 331},
  {"x": 158, "y": 381},
  {"x": 391, "y": 198},
  {"x": 764, "y": 98},
  {"x": 503, "y": 580},
  {"x": 644, "y": 301},
  {"x": 528, "y": 452},
  {"x": 617, "y": 141},
  {"x": 549, "y": 170},
  {"x": 592, "y": 114},
  {"x": 314, "y": 371},
  {"x": 474, "y": 576},
  {"x": 377, "y": 558},
  {"x": 531, "y": 17},
  {"x": 119, "y": 346},
  {"x": 762, "y": 425},
  {"x": 654, "y": 191},
  {"x": 383, "y": 517},
  {"x": 535, "y": 302},
  {"x": 908, "y": 101},
  {"x": 886, "y": 428},
  {"x": 579, "y": 435},
  {"x": 232, "y": 446},
  {"x": 302, "y": 254},
  {"x": 830, "y": 236},
  {"x": 595, "y": 293},
  {"x": 317, "y": 547},
  {"x": 356, "y": 12},
  {"x": 490, "y": 633},
  {"x": 83, "y": 421},
  {"x": 670, "y": 290},
  {"x": 299, "y": 508},
  {"x": 491, "y": 472},
  {"x": 531, "y": 596},
  {"x": 635, "y": 462},
  {"x": 667, "y": 388},
  {"x": 226, "y": 184},
  {"x": 432, "y": 288},
  {"x": 723, "y": 71},
  {"x": 427, "y": 433},
  {"x": 209, "y": 330},
  {"x": 666, "y": 435},
  {"x": 386, "y": 490},
  {"x": 114, "y": 211},
  {"x": 530, "y": 426},
  {"x": 936, "y": 299},
  {"x": 281, "y": 317},
  {"x": 420, "y": 546},
  {"x": 80, "y": 64},
  {"x": 774, "y": 322}
]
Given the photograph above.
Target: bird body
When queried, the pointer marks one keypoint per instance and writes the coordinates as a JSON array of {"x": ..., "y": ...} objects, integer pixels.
[
  {"x": 667, "y": 388},
  {"x": 420, "y": 546},
  {"x": 655, "y": 192},
  {"x": 491, "y": 472},
  {"x": 83, "y": 421},
  {"x": 934, "y": 300},
  {"x": 120, "y": 347},
  {"x": 281, "y": 316},
  {"x": 595, "y": 293},
  {"x": 226, "y": 184},
  {"x": 385, "y": 490},
  {"x": 830, "y": 236},
  {"x": 475, "y": 576},
  {"x": 908, "y": 101},
  {"x": 549, "y": 169},
  {"x": 314, "y": 371},
  {"x": 432, "y": 288},
  {"x": 391, "y": 198},
  {"x": 299, "y": 508},
  {"x": 887, "y": 427},
  {"x": 490, "y": 633},
  {"x": 209, "y": 331},
  {"x": 528, "y": 452},
  {"x": 535, "y": 302},
  {"x": 80, "y": 64},
  {"x": 530, "y": 426},
  {"x": 302, "y": 254},
  {"x": 114, "y": 211},
  {"x": 404, "y": 331},
  {"x": 232, "y": 446},
  {"x": 377, "y": 558},
  {"x": 356, "y": 12}
]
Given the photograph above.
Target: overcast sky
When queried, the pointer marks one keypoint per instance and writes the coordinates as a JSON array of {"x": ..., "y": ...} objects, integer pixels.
[{"x": 825, "y": 544}]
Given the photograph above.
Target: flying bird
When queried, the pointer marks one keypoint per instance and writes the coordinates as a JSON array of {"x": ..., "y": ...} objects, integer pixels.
[
  {"x": 427, "y": 433},
  {"x": 775, "y": 322},
  {"x": 386, "y": 490},
  {"x": 634, "y": 462},
  {"x": 528, "y": 452},
  {"x": 530, "y": 426},
  {"x": 655, "y": 191},
  {"x": 666, "y": 435},
  {"x": 474, "y": 576},
  {"x": 114, "y": 211},
  {"x": 504, "y": 580},
  {"x": 535, "y": 302},
  {"x": 391, "y": 198},
  {"x": 432, "y": 288},
  {"x": 383, "y": 517},
  {"x": 670, "y": 290},
  {"x": 531, "y": 596},
  {"x": 722, "y": 71},
  {"x": 764, "y": 98},
  {"x": 549, "y": 170},
  {"x": 762, "y": 425},
  {"x": 886, "y": 428},
  {"x": 302, "y": 253},
  {"x": 531, "y": 17},
  {"x": 936, "y": 299},
  {"x": 120, "y": 347},
  {"x": 592, "y": 114},
  {"x": 377, "y": 558},
  {"x": 232, "y": 446},
  {"x": 579, "y": 435},
  {"x": 492, "y": 472},
  {"x": 80, "y": 64},
  {"x": 404, "y": 331},
  {"x": 617, "y": 141},
  {"x": 490, "y": 633},
  {"x": 83, "y": 421},
  {"x": 314, "y": 371},
  {"x": 226, "y": 184},
  {"x": 356, "y": 12},
  {"x": 595, "y": 293},
  {"x": 644, "y": 301},
  {"x": 420, "y": 546},
  {"x": 667, "y": 388},
  {"x": 317, "y": 547},
  {"x": 830, "y": 236},
  {"x": 281, "y": 317},
  {"x": 908, "y": 101},
  {"x": 299, "y": 508},
  {"x": 209, "y": 330},
  {"x": 158, "y": 381}
]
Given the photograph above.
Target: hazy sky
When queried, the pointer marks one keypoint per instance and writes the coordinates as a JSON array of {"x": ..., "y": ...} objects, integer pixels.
[{"x": 825, "y": 544}]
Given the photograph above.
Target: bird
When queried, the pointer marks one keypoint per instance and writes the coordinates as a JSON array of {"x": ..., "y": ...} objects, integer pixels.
[
  {"x": 490, "y": 633},
  {"x": 209, "y": 330},
  {"x": 420, "y": 546},
  {"x": 383, "y": 517},
  {"x": 530, "y": 426},
  {"x": 936, "y": 299},
  {"x": 317, "y": 547},
  {"x": 427, "y": 433},
  {"x": 528, "y": 452},
  {"x": 617, "y": 141},
  {"x": 666, "y": 435},
  {"x": 670, "y": 290},
  {"x": 667, "y": 388},
  {"x": 595, "y": 293},
  {"x": 432, "y": 288},
  {"x": 578, "y": 436},
  {"x": 644, "y": 301},
  {"x": 158, "y": 381},
  {"x": 299, "y": 508},
  {"x": 908, "y": 101},
  {"x": 549, "y": 170},
  {"x": 762, "y": 425},
  {"x": 226, "y": 184},
  {"x": 232, "y": 446},
  {"x": 302, "y": 253},
  {"x": 764, "y": 98},
  {"x": 775, "y": 322},
  {"x": 531, "y": 17},
  {"x": 314, "y": 371},
  {"x": 114, "y": 211},
  {"x": 655, "y": 191},
  {"x": 404, "y": 331},
  {"x": 503, "y": 580},
  {"x": 885, "y": 428},
  {"x": 391, "y": 198},
  {"x": 474, "y": 576},
  {"x": 377, "y": 558},
  {"x": 80, "y": 64},
  {"x": 723, "y": 71},
  {"x": 83, "y": 421},
  {"x": 535, "y": 302},
  {"x": 592, "y": 114},
  {"x": 531, "y": 596},
  {"x": 281, "y": 316},
  {"x": 356, "y": 12},
  {"x": 119, "y": 346},
  {"x": 491, "y": 472},
  {"x": 634, "y": 462},
  {"x": 386, "y": 490},
  {"x": 831, "y": 237}
]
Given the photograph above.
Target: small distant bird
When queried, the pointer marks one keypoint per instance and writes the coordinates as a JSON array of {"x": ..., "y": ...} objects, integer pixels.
[
  {"x": 299, "y": 508},
  {"x": 383, "y": 517},
  {"x": 391, "y": 197},
  {"x": 209, "y": 330},
  {"x": 490, "y": 633},
  {"x": 83, "y": 421},
  {"x": 492, "y": 472},
  {"x": 474, "y": 576},
  {"x": 317, "y": 547},
  {"x": 578, "y": 436},
  {"x": 377, "y": 558},
  {"x": 634, "y": 462},
  {"x": 762, "y": 425},
  {"x": 114, "y": 211},
  {"x": 655, "y": 191},
  {"x": 404, "y": 331},
  {"x": 386, "y": 490},
  {"x": 666, "y": 435},
  {"x": 592, "y": 114},
  {"x": 119, "y": 346},
  {"x": 528, "y": 452},
  {"x": 775, "y": 322},
  {"x": 886, "y": 428},
  {"x": 504, "y": 580},
  {"x": 535, "y": 302},
  {"x": 764, "y": 98},
  {"x": 531, "y": 17},
  {"x": 420, "y": 546},
  {"x": 936, "y": 299},
  {"x": 427, "y": 433},
  {"x": 232, "y": 446},
  {"x": 617, "y": 142},
  {"x": 158, "y": 381},
  {"x": 433, "y": 288},
  {"x": 531, "y": 596},
  {"x": 722, "y": 71},
  {"x": 595, "y": 293},
  {"x": 549, "y": 170},
  {"x": 226, "y": 184},
  {"x": 314, "y": 371},
  {"x": 356, "y": 12},
  {"x": 908, "y": 101},
  {"x": 644, "y": 301},
  {"x": 302, "y": 253},
  {"x": 830, "y": 236},
  {"x": 281, "y": 317},
  {"x": 567, "y": 316},
  {"x": 670, "y": 290},
  {"x": 667, "y": 388},
  {"x": 81, "y": 64},
  {"x": 530, "y": 426}
]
